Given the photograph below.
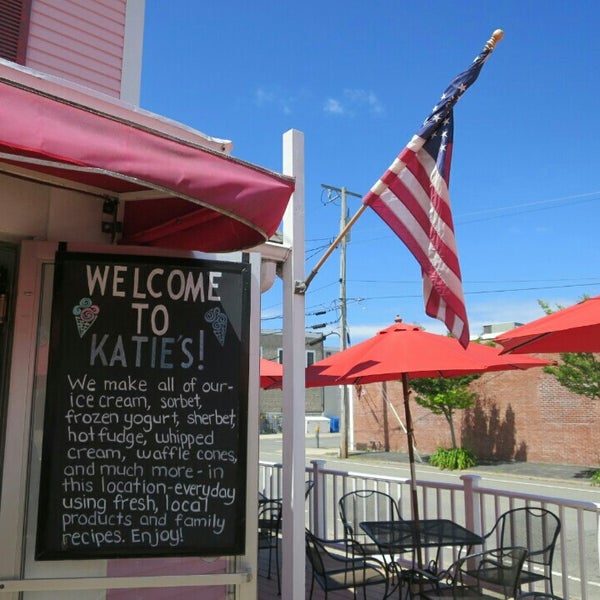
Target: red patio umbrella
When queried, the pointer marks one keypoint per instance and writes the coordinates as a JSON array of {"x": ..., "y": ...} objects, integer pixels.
[
  {"x": 355, "y": 367},
  {"x": 572, "y": 329},
  {"x": 404, "y": 351},
  {"x": 397, "y": 352},
  {"x": 271, "y": 374},
  {"x": 498, "y": 361}
]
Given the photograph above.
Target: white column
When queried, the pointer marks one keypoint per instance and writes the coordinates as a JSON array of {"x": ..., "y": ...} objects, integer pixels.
[{"x": 293, "y": 552}]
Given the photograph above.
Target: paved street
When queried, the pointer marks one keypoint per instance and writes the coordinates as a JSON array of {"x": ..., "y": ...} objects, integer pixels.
[{"x": 326, "y": 446}]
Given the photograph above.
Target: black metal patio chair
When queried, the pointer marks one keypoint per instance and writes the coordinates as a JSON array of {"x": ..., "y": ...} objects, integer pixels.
[
  {"x": 365, "y": 505},
  {"x": 535, "y": 529},
  {"x": 491, "y": 574},
  {"x": 333, "y": 569},
  {"x": 269, "y": 526}
]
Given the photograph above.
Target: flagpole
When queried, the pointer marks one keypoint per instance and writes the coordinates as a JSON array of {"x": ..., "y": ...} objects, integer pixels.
[
  {"x": 497, "y": 35},
  {"x": 302, "y": 286}
]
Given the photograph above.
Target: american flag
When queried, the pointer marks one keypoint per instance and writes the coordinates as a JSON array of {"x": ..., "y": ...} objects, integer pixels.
[{"x": 412, "y": 198}]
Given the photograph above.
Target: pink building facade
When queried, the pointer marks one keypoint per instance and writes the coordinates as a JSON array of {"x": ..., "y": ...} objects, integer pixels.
[{"x": 70, "y": 75}]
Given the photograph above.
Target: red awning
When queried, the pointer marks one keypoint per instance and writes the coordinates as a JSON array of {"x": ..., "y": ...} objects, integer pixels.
[{"x": 177, "y": 192}]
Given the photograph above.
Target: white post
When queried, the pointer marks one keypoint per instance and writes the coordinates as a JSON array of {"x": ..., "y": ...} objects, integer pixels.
[
  {"x": 318, "y": 522},
  {"x": 294, "y": 363},
  {"x": 472, "y": 511}
]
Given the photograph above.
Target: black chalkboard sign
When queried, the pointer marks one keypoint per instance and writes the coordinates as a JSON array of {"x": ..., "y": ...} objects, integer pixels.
[{"x": 146, "y": 408}]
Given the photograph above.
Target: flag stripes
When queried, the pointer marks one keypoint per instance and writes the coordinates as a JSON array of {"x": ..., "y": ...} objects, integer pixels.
[{"x": 412, "y": 197}]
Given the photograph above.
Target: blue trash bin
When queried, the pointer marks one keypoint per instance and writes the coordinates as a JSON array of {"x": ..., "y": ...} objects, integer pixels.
[{"x": 334, "y": 424}]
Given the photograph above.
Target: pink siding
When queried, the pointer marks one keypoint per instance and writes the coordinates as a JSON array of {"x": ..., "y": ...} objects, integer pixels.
[
  {"x": 132, "y": 567},
  {"x": 79, "y": 40}
]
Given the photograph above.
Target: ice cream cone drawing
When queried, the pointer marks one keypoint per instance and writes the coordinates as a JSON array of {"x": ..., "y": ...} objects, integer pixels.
[
  {"x": 85, "y": 314},
  {"x": 218, "y": 320}
]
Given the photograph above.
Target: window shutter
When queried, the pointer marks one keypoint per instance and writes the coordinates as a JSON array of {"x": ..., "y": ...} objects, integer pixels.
[{"x": 14, "y": 27}]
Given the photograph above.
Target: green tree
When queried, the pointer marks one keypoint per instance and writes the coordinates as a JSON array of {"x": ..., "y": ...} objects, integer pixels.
[
  {"x": 579, "y": 372},
  {"x": 444, "y": 396}
]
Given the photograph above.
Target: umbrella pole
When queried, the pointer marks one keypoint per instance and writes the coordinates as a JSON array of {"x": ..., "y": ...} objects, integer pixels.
[
  {"x": 391, "y": 407},
  {"x": 414, "y": 500}
]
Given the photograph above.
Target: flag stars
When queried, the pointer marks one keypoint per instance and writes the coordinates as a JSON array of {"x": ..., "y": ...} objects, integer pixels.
[{"x": 431, "y": 143}]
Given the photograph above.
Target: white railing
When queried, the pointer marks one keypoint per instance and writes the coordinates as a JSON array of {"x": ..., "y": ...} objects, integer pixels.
[{"x": 576, "y": 569}]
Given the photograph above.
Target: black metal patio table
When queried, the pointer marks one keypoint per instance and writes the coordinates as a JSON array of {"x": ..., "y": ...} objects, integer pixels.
[{"x": 398, "y": 537}]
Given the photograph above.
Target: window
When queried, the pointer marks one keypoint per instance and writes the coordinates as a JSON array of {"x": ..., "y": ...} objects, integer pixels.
[
  {"x": 14, "y": 29},
  {"x": 310, "y": 356}
]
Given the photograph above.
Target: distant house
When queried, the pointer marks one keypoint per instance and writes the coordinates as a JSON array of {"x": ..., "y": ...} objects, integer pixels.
[
  {"x": 495, "y": 329},
  {"x": 318, "y": 401}
]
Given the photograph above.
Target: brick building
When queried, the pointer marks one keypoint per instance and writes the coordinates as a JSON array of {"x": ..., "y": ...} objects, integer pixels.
[{"x": 518, "y": 415}]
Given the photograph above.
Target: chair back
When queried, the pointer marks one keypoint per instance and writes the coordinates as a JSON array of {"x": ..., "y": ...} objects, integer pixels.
[
  {"x": 366, "y": 505},
  {"x": 533, "y": 528},
  {"x": 308, "y": 486},
  {"x": 498, "y": 569},
  {"x": 333, "y": 569},
  {"x": 314, "y": 553},
  {"x": 269, "y": 523}
]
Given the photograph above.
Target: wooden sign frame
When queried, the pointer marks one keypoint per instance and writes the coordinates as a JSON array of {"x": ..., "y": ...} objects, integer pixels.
[{"x": 145, "y": 425}]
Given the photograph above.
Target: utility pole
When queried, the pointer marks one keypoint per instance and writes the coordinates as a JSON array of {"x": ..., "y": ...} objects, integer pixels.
[{"x": 342, "y": 194}]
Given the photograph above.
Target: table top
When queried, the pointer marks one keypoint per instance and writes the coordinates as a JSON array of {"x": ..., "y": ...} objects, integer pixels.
[{"x": 425, "y": 533}]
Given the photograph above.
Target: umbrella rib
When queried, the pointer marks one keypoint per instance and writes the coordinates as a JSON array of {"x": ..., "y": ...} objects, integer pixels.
[{"x": 530, "y": 340}]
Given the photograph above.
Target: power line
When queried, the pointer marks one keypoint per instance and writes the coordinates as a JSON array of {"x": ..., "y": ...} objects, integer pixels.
[
  {"x": 488, "y": 214},
  {"x": 496, "y": 291},
  {"x": 542, "y": 204},
  {"x": 508, "y": 211},
  {"x": 467, "y": 293}
]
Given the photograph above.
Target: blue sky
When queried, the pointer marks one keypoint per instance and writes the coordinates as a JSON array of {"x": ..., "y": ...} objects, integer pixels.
[{"x": 358, "y": 78}]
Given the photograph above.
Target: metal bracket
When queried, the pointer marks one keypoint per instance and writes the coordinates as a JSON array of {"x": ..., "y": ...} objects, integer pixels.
[
  {"x": 300, "y": 287},
  {"x": 111, "y": 225}
]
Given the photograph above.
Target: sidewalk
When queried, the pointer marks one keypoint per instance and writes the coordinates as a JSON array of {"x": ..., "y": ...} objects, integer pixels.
[{"x": 329, "y": 443}]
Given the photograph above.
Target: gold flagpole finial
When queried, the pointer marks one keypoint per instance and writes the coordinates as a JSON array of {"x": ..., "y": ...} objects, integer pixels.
[{"x": 496, "y": 37}]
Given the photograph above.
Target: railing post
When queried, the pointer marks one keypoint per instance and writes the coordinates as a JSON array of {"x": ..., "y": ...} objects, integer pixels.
[
  {"x": 318, "y": 520},
  {"x": 472, "y": 508},
  {"x": 278, "y": 481},
  {"x": 598, "y": 531}
]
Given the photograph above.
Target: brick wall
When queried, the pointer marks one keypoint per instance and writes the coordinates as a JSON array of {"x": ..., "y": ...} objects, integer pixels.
[{"x": 521, "y": 415}]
